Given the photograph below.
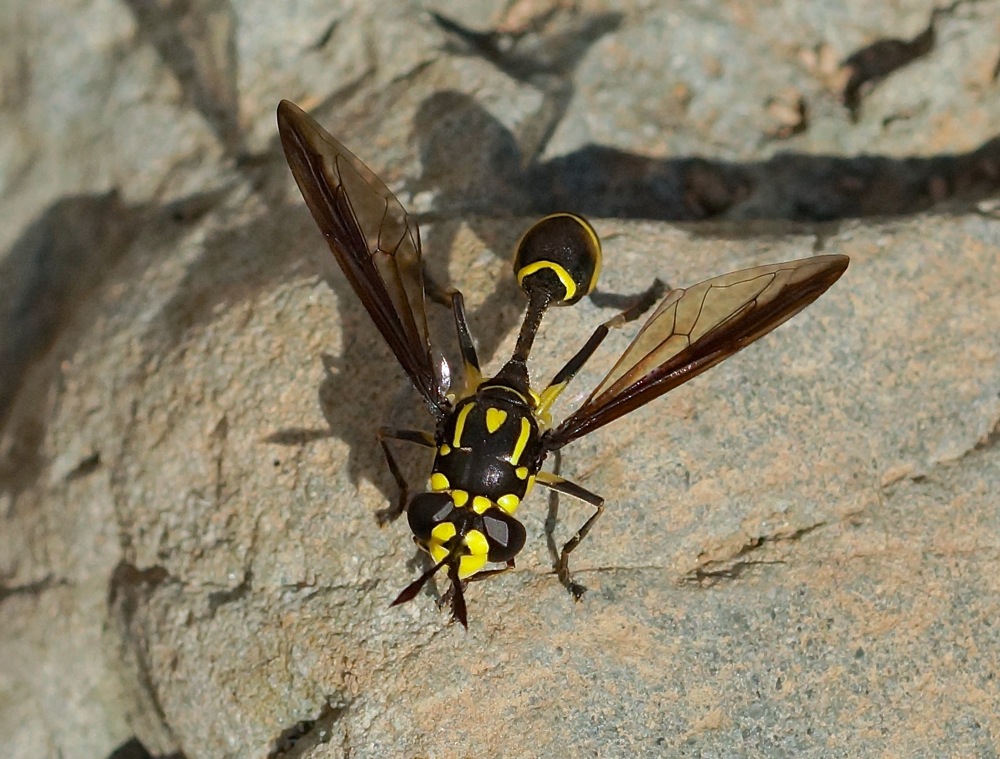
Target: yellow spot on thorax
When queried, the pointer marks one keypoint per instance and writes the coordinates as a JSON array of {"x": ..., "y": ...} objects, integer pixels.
[
  {"x": 460, "y": 424},
  {"x": 522, "y": 441},
  {"x": 439, "y": 482},
  {"x": 494, "y": 419}
]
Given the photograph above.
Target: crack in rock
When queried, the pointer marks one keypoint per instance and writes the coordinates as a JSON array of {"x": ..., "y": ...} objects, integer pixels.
[{"x": 732, "y": 567}]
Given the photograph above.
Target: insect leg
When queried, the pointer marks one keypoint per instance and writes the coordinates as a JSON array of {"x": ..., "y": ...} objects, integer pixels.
[
  {"x": 408, "y": 436},
  {"x": 642, "y": 304},
  {"x": 477, "y": 577},
  {"x": 454, "y": 300},
  {"x": 484, "y": 573},
  {"x": 458, "y": 587},
  {"x": 470, "y": 360},
  {"x": 561, "y": 485}
]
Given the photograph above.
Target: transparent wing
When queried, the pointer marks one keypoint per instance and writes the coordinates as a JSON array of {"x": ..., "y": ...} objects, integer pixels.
[
  {"x": 375, "y": 241},
  {"x": 694, "y": 329}
]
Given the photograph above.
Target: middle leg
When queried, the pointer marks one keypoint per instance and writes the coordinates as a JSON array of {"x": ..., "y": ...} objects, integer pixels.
[
  {"x": 385, "y": 434},
  {"x": 562, "y": 485}
]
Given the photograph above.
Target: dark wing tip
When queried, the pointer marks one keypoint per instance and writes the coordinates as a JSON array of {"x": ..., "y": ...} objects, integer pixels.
[
  {"x": 287, "y": 110},
  {"x": 286, "y": 114},
  {"x": 838, "y": 264},
  {"x": 296, "y": 128},
  {"x": 834, "y": 265}
]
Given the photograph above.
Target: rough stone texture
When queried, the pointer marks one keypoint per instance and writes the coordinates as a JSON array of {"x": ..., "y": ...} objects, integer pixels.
[{"x": 799, "y": 556}]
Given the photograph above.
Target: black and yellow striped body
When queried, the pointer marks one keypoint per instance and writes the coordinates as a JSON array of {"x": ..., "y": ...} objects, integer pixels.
[
  {"x": 489, "y": 446},
  {"x": 488, "y": 451}
]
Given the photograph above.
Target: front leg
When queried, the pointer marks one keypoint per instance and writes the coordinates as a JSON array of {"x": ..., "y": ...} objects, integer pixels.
[
  {"x": 424, "y": 439},
  {"x": 640, "y": 305},
  {"x": 453, "y": 299}
]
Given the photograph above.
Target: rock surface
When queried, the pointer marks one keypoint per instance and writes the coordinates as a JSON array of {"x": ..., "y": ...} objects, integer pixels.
[{"x": 799, "y": 555}]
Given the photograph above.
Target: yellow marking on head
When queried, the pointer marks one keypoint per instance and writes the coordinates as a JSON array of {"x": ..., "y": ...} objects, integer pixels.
[
  {"x": 460, "y": 424},
  {"x": 521, "y": 472},
  {"x": 531, "y": 485},
  {"x": 494, "y": 419},
  {"x": 440, "y": 535},
  {"x": 569, "y": 286},
  {"x": 509, "y": 502},
  {"x": 460, "y": 497},
  {"x": 479, "y": 547},
  {"x": 439, "y": 482},
  {"x": 480, "y": 504},
  {"x": 522, "y": 441},
  {"x": 444, "y": 450}
]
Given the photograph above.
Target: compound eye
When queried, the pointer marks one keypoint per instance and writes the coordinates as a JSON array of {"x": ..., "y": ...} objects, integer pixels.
[
  {"x": 561, "y": 255},
  {"x": 504, "y": 534},
  {"x": 426, "y": 511}
]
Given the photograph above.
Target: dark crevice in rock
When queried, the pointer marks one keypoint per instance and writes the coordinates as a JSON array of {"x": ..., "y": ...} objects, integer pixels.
[
  {"x": 133, "y": 749},
  {"x": 873, "y": 63},
  {"x": 991, "y": 439},
  {"x": 127, "y": 580},
  {"x": 87, "y": 466},
  {"x": 326, "y": 35},
  {"x": 197, "y": 42},
  {"x": 553, "y": 43},
  {"x": 220, "y": 598},
  {"x": 301, "y": 738},
  {"x": 32, "y": 588},
  {"x": 878, "y": 60}
]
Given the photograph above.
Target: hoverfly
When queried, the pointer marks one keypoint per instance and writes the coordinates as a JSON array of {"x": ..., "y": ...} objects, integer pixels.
[{"x": 494, "y": 433}]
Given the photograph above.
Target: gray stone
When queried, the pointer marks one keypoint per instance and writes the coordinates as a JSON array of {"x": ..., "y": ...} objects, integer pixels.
[{"x": 799, "y": 553}]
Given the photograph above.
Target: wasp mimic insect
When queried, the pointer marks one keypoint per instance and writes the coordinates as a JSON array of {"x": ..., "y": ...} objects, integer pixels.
[{"x": 494, "y": 433}]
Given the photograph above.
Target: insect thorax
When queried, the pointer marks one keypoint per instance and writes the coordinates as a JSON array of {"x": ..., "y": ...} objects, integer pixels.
[{"x": 488, "y": 451}]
